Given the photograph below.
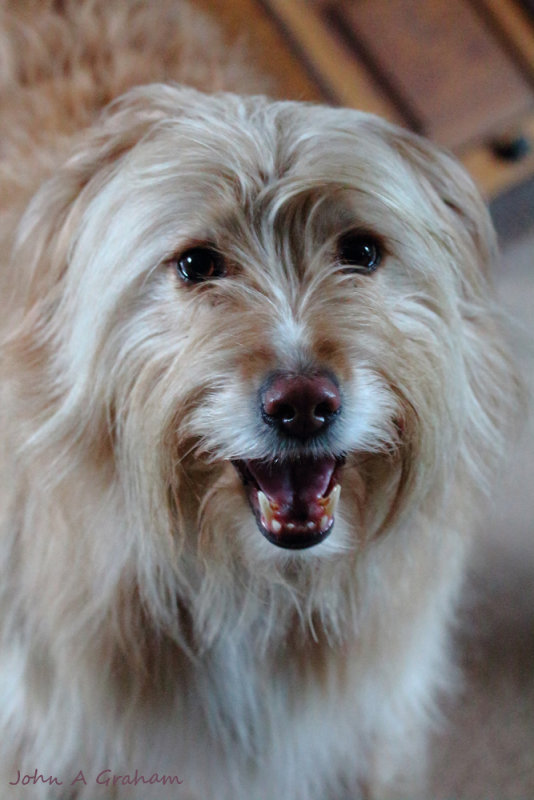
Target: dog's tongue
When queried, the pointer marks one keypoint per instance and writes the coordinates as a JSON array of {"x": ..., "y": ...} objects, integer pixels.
[
  {"x": 294, "y": 486},
  {"x": 295, "y": 500}
]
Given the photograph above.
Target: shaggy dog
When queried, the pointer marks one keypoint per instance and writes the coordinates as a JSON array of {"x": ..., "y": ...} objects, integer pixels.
[{"x": 253, "y": 390}]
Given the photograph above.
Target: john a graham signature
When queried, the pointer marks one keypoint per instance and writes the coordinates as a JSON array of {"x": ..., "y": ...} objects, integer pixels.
[{"x": 104, "y": 778}]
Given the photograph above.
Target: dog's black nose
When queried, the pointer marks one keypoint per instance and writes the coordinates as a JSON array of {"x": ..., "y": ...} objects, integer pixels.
[{"x": 300, "y": 405}]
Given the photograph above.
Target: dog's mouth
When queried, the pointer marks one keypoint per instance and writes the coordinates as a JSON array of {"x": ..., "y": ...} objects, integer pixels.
[{"x": 294, "y": 502}]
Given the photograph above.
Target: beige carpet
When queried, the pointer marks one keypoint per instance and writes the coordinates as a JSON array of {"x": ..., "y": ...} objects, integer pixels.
[{"x": 487, "y": 753}]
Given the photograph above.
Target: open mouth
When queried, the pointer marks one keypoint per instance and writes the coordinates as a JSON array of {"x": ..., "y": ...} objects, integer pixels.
[{"x": 294, "y": 502}]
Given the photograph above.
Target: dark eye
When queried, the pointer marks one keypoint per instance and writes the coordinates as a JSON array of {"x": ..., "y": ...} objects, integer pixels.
[
  {"x": 360, "y": 253},
  {"x": 200, "y": 264}
]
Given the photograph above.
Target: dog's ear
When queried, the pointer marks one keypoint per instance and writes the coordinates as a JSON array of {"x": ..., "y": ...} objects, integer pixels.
[
  {"x": 493, "y": 392},
  {"x": 45, "y": 233},
  {"x": 451, "y": 191}
]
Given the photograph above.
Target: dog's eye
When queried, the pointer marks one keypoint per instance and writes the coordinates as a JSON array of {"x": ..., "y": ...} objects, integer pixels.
[
  {"x": 200, "y": 264},
  {"x": 359, "y": 253}
]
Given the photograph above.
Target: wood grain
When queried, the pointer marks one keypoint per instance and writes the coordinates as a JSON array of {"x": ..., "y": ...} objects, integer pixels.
[
  {"x": 444, "y": 63},
  {"x": 246, "y": 23}
]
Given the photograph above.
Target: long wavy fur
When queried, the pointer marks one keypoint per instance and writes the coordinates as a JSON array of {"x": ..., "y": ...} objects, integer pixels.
[{"x": 145, "y": 622}]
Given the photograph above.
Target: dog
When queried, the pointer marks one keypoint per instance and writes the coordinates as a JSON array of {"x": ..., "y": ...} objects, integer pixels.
[{"x": 254, "y": 391}]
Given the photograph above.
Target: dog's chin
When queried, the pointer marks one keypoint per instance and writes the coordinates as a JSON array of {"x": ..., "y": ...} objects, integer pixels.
[{"x": 293, "y": 502}]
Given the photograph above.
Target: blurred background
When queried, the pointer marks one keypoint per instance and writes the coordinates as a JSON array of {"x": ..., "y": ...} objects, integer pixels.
[{"x": 462, "y": 73}]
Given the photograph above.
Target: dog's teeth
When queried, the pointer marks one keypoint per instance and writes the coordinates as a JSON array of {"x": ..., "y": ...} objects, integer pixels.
[
  {"x": 329, "y": 503},
  {"x": 268, "y": 520},
  {"x": 265, "y": 507}
]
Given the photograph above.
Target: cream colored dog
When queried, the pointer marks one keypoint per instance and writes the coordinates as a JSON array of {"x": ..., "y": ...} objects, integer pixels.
[{"x": 253, "y": 390}]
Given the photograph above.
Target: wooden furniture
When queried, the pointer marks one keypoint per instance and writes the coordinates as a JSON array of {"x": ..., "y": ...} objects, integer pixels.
[
  {"x": 247, "y": 23},
  {"x": 459, "y": 71}
]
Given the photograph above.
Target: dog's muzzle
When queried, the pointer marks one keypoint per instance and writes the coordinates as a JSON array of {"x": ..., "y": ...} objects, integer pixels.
[{"x": 294, "y": 499}]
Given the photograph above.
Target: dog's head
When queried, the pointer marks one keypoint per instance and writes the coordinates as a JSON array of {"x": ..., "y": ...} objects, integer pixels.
[{"x": 267, "y": 320}]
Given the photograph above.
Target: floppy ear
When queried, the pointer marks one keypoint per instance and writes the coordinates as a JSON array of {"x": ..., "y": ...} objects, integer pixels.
[
  {"x": 46, "y": 230},
  {"x": 449, "y": 183},
  {"x": 493, "y": 390}
]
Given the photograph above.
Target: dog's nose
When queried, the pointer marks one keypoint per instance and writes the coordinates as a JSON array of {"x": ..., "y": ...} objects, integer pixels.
[{"x": 300, "y": 405}]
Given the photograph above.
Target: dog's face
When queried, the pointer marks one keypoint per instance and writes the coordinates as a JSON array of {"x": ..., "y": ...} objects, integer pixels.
[{"x": 273, "y": 313}]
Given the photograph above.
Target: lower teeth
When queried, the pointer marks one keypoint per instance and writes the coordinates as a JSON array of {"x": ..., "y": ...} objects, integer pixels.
[{"x": 271, "y": 523}]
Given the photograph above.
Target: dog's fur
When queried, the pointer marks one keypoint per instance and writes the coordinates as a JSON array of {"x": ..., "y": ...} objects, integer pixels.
[{"x": 145, "y": 622}]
